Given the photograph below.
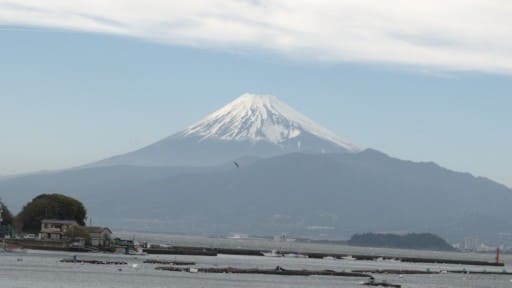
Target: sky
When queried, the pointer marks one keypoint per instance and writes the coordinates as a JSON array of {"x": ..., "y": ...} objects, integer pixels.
[{"x": 418, "y": 80}]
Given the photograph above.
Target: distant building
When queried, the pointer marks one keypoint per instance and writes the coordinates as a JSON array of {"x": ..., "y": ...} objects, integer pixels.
[
  {"x": 280, "y": 238},
  {"x": 100, "y": 236},
  {"x": 52, "y": 229},
  {"x": 472, "y": 243},
  {"x": 238, "y": 236},
  {"x": 283, "y": 238}
]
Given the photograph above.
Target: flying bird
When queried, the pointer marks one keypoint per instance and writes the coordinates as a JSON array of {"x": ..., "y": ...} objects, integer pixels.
[{"x": 236, "y": 164}]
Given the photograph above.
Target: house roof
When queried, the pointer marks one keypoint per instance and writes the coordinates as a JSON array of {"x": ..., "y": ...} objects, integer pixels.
[
  {"x": 56, "y": 221},
  {"x": 96, "y": 229}
]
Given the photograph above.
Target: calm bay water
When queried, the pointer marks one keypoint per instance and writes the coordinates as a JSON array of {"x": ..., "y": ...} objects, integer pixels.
[{"x": 43, "y": 269}]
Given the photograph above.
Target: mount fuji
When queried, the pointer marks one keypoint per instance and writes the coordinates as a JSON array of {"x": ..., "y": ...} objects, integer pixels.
[
  {"x": 294, "y": 177},
  {"x": 250, "y": 126}
]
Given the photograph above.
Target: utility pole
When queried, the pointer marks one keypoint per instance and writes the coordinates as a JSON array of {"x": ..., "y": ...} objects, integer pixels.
[
  {"x": 2, "y": 223},
  {"x": 1, "y": 212},
  {"x": 1, "y": 216}
]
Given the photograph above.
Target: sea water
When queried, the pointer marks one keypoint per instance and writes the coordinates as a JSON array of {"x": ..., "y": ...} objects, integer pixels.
[{"x": 43, "y": 269}]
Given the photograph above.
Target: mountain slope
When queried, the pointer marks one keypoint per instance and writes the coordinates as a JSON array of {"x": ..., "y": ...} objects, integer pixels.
[
  {"x": 251, "y": 125},
  {"x": 315, "y": 195}
]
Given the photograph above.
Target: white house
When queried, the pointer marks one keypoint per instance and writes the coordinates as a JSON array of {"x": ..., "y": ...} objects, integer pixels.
[{"x": 52, "y": 229}]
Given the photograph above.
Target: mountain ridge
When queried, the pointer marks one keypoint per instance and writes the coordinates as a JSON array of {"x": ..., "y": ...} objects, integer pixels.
[{"x": 347, "y": 192}]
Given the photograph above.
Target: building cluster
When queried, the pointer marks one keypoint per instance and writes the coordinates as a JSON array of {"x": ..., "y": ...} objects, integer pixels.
[
  {"x": 475, "y": 244},
  {"x": 69, "y": 235},
  {"x": 76, "y": 236}
]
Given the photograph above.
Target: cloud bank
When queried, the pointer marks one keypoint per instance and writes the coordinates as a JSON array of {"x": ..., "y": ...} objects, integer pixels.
[{"x": 458, "y": 35}]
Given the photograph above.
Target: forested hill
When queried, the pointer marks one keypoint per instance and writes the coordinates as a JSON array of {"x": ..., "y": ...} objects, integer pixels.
[{"x": 423, "y": 241}]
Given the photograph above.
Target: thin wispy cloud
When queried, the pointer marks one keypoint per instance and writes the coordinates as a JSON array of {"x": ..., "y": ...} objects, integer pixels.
[{"x": 459, "y": 35}]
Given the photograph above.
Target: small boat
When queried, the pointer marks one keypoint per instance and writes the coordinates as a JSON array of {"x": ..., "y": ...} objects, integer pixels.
[
  {"x": 295, "y": 255},
  {"x": 137, "y": 251},
  {"x": 272, "y": 253}
]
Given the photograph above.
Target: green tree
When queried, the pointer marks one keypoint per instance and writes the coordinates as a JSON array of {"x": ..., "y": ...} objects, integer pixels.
[
  {"x": 50, "y": 206},
  {"x": 7, "y": 218},
  {"x": 6, "y": 225}
]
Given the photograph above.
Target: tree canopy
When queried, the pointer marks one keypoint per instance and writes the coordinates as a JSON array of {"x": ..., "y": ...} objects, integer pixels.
[
  {"x": 50, "y": 206},
  {"x": 7, "y": 218}
]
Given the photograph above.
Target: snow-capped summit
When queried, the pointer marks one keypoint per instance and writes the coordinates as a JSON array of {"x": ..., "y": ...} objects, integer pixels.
[
  {"x": 250, "y": 126},
  {"x": 253, "y": 117}
]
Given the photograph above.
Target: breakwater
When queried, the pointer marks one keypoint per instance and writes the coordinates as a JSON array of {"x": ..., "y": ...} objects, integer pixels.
[
  {"x": 204, "y": 251},
  {"x": 276, "y": 271}
]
